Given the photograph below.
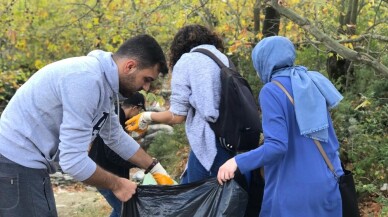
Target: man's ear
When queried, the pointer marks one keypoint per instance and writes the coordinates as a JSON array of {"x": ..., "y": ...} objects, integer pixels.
[{"x": 129, "y": 65}]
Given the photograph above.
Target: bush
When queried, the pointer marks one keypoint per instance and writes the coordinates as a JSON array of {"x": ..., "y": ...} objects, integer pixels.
[
  {"x": 171, "y": 151},
  {"x": 10, "y": 82},
  {"x": 361, "y": 124}
]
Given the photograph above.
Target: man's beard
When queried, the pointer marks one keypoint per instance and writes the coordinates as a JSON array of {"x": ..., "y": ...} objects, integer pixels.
[{"x": 127, "y": 87}]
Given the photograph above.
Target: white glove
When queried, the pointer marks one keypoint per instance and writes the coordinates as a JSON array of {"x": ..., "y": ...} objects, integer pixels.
[
  {"x": 138, "y": 123},
  {"x": 158, "y": 168},
  {"x": 160, "y": 175},
  {"x": 145, "y": 120}
]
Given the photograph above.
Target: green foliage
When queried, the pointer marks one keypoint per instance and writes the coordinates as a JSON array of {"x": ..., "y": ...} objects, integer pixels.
[
  {"x": 171, "y": 150},
  {"x": 10, "y": 82},
  {"x": 361, "y": 124},
  {"x": 384, "y": 203},
  {"x": 35, "y": 33},
  {"x": 313, "y": 59}
]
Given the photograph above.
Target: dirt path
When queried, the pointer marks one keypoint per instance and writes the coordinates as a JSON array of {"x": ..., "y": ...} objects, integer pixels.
[{"x": 74, "y": 199}]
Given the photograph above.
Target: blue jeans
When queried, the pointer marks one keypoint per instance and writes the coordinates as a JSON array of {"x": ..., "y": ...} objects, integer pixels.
[
  {"x": 25, "y": 191},
  {"x": 196, "y": 172},
  {"x": 113, "y": 201}
]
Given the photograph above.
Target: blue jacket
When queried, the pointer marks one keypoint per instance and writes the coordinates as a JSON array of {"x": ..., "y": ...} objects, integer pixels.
[{"x": 297, "y": 180}]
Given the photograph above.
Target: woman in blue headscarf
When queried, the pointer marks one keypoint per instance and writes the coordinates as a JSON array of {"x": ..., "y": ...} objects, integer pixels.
[{"x": 298, "y": 181}]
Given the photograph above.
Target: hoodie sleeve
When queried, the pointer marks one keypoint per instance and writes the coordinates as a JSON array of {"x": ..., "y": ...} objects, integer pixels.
[
  {"x": 117, "y": 139},
  {"x": 80, "y": 93}
]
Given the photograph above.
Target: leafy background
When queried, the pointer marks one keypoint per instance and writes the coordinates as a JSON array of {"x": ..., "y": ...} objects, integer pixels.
[{"x": 35, "y": 33}]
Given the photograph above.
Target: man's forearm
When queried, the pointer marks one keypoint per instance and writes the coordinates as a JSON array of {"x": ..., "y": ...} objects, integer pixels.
[
  {"x": 102, "y": 179},
  {"x": 141, "y": 159},
  {"x": 122, "y": 188}
]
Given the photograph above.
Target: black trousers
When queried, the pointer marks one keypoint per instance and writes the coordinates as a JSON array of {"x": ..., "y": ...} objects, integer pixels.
[{"x": 25, "y": 191}]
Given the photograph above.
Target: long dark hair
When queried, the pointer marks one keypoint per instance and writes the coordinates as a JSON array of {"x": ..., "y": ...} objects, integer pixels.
[{"x": 191, "y": 36}]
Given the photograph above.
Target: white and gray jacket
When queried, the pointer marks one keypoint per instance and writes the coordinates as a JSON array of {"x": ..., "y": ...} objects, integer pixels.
[
  {"x": 196, "y": 93},
  {"x": 59, "y": 111}
]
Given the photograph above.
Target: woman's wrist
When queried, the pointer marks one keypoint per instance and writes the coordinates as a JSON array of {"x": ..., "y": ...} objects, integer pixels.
[{"x": 147, "y": 116}]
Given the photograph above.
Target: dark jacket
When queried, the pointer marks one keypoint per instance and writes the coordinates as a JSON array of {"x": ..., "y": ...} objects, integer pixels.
[{"x": 107, "y": 158}]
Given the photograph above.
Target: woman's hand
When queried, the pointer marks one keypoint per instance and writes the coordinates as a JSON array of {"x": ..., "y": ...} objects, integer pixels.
[
  {"x": 138, "y": 123},
  {"x": 226, "y": 171}
]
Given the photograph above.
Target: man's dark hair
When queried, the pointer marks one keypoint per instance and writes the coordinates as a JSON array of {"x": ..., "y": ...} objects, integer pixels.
[
  {"x": 191, "y": 36},
  {"x": 146, "y": 50}
]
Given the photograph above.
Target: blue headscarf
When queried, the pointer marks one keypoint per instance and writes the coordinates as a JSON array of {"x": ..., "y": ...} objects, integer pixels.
[{"x": 274, "y": 56}]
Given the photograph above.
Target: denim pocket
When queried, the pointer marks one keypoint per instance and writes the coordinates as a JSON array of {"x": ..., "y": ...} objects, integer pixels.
[
  {"x": 48, "y": 193},
  {"x": 9, "y": 191}
]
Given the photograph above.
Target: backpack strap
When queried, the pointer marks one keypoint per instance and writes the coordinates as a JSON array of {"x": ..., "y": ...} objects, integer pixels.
[
  {"x": 214, "y": 58},
  {"x": 317, "y": 143}
]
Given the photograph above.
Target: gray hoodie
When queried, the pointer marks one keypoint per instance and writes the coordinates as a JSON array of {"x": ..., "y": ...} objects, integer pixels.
[{"x": 58, "y": 112}]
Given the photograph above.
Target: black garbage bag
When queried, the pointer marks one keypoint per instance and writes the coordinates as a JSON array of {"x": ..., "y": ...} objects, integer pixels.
[
  {"x": 199, "y": 199},
  {"x": 255, "y": 190}
]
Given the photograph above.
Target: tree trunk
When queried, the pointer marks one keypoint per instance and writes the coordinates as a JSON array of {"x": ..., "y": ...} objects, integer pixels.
[
  {"x": 271, "y": 22},
  {"x": 256, "y": 17},
  {"x": 340, "y": 69},
  {"x": 342, "y": 22}
]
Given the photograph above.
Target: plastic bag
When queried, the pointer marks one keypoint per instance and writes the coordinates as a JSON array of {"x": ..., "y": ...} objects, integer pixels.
[{"x": 199, "y": 199}]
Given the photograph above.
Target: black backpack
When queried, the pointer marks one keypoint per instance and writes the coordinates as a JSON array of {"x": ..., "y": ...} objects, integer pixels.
[{"x": 238, "y": 126}]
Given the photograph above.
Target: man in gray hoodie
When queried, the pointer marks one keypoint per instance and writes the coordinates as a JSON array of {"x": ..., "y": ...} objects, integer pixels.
[{"x": 56, "y": 114}]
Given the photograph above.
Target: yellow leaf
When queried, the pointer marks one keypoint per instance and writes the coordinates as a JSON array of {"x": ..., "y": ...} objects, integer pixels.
[
  {"x": 242, "y": 35},
  {"x": 43, "y": 14},
  {"x": 363, "y": 104},
  {"x": 97, "y": 42},
  {"x": 117, "y": 39},
  {"x": 259, "y": 35},
  {"x": 96, "y": 21},
  {"x": 289, "y": 26},
  {"x": 232, "y": 48},
  {"x": 109, "y": 16},
  {"x": 112, "y": 7},
  {"x": 370, "y": 23},
  {"x": 21, "y": 44},
  {"x": 51, "y": 47},
  {"x": 38, "y": 64},
  {"x": 353, "y": 36},
  {"x": 349, "y": 45}
]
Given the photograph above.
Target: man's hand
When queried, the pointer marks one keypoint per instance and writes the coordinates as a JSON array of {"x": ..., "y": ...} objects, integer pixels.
[
  {"x": 124, "y": 189},
  {"x": 138, "y": 123},
  {"x": 160, "y": 175},
  {"x": 226, "y": 171}
]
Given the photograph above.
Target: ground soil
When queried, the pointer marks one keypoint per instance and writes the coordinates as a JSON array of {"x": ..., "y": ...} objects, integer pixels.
[{"x": 75, "y": 199}]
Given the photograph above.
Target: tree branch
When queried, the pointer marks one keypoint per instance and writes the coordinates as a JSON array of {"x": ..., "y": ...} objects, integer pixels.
[
  {"x": 365, "y": 37},
  {"x": 329, "y": 42}
]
